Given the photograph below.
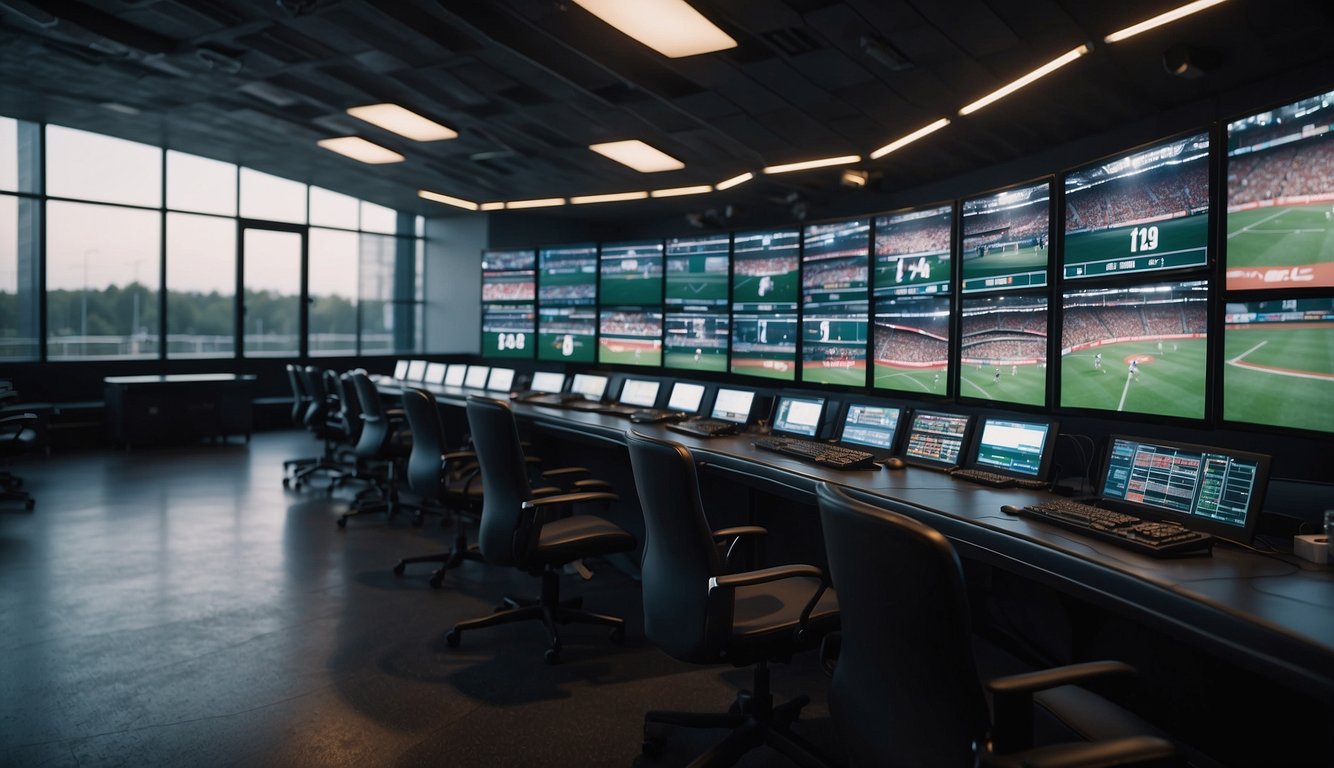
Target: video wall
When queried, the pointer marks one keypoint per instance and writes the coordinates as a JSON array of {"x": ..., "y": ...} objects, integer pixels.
[{"x": 987, "y": 299}]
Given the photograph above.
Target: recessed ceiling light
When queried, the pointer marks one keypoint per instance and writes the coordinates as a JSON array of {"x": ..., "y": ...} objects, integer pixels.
[
  {"x": 457, "y": 202},
  {"x": 545, "y": 202},
  {"x": 614, "y": 197},
  {"x": 490, "y": 206},
  {"x": 734, "y": 181},
  {"x": 358, "y": 148},
  {"x": 808, "y": 164},
  {"x": 1160, "y": 19},
  {"x": 698, "y": 189},
  {"x": 670, "y": 27},
  {"x": 904, "y": 141},
  {"x": 1040, "y": 72},
  {"x": 638, "y": 155},
  {"x": 404, "y": 122}
]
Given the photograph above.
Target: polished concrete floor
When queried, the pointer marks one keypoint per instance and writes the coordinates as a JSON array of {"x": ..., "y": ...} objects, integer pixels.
[{"x": 178, "y": 606}]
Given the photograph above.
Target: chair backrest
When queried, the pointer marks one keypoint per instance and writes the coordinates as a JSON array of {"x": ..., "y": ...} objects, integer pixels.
[
  {"x": 502, "y": 534},
  {"x": 375, "y": 427},
  {"x": 316, "y": 407},
  {"x": 905, "y": 691},
  {"x": 300, "y": 401},
  {"x": 350, "y": 404},
  {"x": 428, "y": 444},
  {"x": 679, "y": 554}
]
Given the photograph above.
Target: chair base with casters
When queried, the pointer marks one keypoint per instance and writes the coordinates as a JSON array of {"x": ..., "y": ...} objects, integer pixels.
[{"x": 460, "y": 553}]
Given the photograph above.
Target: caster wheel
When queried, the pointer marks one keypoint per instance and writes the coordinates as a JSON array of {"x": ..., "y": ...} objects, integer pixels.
[
  {"x": 617, "y": 636},
  {"x": 452, "y": 639},
  {"x": 398, "y": 569},
  {"x": 553, "y": 655},
  {"x": 436, "y": 582},
  {"x": 342, "y": 522}
]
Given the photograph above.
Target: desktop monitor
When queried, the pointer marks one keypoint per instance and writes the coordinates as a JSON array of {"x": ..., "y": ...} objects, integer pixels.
[
  {"x": 1005, "y": 239},
  {"x": 640, "y": 392},
  {"x": 416, "y": 370},
  {"x": 733, "y": 405},
  {"x": 685, "y": 397},
  {"x": 401, "y": 369},
  {"x": 501, "y": 379},
  {"x": 454, "y": 375},
  {"x": 1213, "y": 490},
  {"x": 476, "y": 376},
  {"x": 798, "y": 416},
  {"x": 1280, "y": 363},
  {"x": 1020, "y": 448},
  {"x": 1142, "y": 212},
  {"x": 548, "y": 382},
  {"x": 435, "y": 373},
  {"x": 936, "y": 439},
  {"x": 871, "y": 426},
  {"x": 588, "y": 385}
]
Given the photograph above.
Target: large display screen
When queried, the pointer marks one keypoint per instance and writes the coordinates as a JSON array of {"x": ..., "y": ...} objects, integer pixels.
[
  {"x": 698, "y": 269},
  {"x": 1003, "y": 348},
  {"x": 765, "y": 274},
  {"x": 630, "y": 337},
  {"x": 507, "y": 330},
  {"x": 835, "y": 261},
  {"x": 912, "y": 251},
  {"x": 568, "y": 334},
  {"x": 1279, "y": 359},
  {"x": 1005, "y": 237},
  {"x": 1144, "y": 212},
  {"x": 1138, "y": 350},
  {"x": 631, "y": 273},
  {"x": 569, "y": 275},
  {"x": 696, "y": 340},
  {"x": 508, "y": 275},
  {"x": 912, "y": 344},
  {"x": 1280, "y": 197}
]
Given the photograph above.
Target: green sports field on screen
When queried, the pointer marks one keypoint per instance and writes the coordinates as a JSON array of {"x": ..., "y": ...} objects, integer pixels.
[
  {"x": 1281, "y": 375},
  {"x": 565, "y": 347},
  {"x": 1012, "y": 259},
  {"x": 1167, "y": 244},
  {"x": 687, "y": 359},
  {"x": 507, "y": 344},
  {"x": 922, "y": 381},
  {"x": 781, "y": 288},
  {"x": 1170, "y": 382},
  {"x": 629, "y": 351},
  {"x": 1280, "y": 236},
  {"x": 630, "y": 288},
  {"x": 1026, "y": 384},
  {"x": 703, "y": 287},
  {"x": 851, "y": 375}
]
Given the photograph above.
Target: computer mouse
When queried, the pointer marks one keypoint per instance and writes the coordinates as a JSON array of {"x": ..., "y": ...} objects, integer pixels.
[{"x": 894, "y": 462}]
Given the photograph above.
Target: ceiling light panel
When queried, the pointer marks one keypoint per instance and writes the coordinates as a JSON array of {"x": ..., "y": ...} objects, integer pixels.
[
  {"x": 457, "y": 202},
  {"x": 670, "y": 27},
  {"x": 806, "y": 165},
  {"x": 546, "y": 202},
  {"x": 638, "y": 155},
  {"x": 735, "y": 181},
  {"x": 404, "y": 122},
  {"x": 614, "y": 197},
  {"x": 698, "y": 189},
  {"x": 358, "y": 148},
  {"x": 1160, "y": 20},
  {"x": 904, "y": 141},
  {"x": 1037, "y": 74}
]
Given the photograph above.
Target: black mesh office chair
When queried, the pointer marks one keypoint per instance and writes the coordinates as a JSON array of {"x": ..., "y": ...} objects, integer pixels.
[
  {"x": 695, "y": 611},
  {"x": 385, "y": 440},
  {"x": 905, "y": 691},
  {"x": 519, "y": 529},
  {"x": 321, "y": 417}
]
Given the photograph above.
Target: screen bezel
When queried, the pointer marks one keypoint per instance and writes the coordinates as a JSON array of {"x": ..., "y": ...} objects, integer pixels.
[
  {"x": 879, "y": 451},
  {"x": 678, "y": 386},
  {"x": 932, "y": 463},
  {"x": 1240, "y": 534},
  {"x": 713, "y": 407},
  {"x": 979, "y": 427},
  {"x": 819, "y": 421}
]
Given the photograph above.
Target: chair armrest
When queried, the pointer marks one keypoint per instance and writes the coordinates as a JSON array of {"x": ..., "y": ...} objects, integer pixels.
[
  {"x": 591, "y": 484},
  {"x": 546, "y": 490},
  {"x": 456, "y": 456},
  {"x": 17, "y": 418},
  {"x": 739, "y": 531},
  {"x": 1129, "y": 750},
  {"x": 1012, "y": 698},
  {"x": 549, "y": 474},
  {"x": 569, "y": 498},
  {"x": 764, "y": 576}
]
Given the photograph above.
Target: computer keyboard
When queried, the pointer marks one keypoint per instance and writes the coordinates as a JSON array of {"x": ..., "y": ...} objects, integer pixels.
[
  {"x": 824, "y": 454},
  {"x": 654, "y": 416},
  {"x": 550, "y": 398},
  {"x": 998, "y": 480},
  {"x": 1150, "y": 537},
  {"x": 706, "y": 427}
]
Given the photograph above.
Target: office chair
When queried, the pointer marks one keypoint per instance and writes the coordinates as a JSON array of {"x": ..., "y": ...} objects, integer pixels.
[
  {"x": 905, "y": 690},
  {"x": 383, "y": 440},
  {"x": 17, "y": 437},
  {"x": 301, "y": 404},
  {"x": 517, "y": 529},
  {"x": 696, "y": 611},
  {"x": 321, "y": 417}
]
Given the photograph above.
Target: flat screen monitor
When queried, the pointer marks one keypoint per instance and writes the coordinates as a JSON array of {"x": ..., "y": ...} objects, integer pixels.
[
  {"x": 590, "y": 386},
  {"x": 401, "y": 369},
  {"x": 640, "y": 392},
  {"x": 1210, "y": 489},
  {"x": 911, "y": 344},
  {"x": 835, "y": 260},
  {"x": 631, "y": 274},
  {"x": 798, "y": 416},
  {"x": 698, "y": 269},
  {"x": 630, "y": 337},
  {"x": 870, "y": 426},
  {"x": 765, "y": 271},
  {"x": 936, "y": 439},
  {"x": 1005, "y": 237},
  {"x": 1003, "y": 348},
  {"x": 500, "y": 380},
  {"x": 567, "y": 334},
  {"x": 696, "y": 339},
  {"x": 1140, "y": 349},
  {"x": 507, "y": 330},
  {"x": 435, "y": 373},
  {"x": 508, "y": 286},
  {"x": 1142, "y": 212},
  {"x": 548, "y": 382},
  {"x": 509, "y": 261},
  {"x": 733, "y": 405},
  {"x": 569, "y": 276},
  {"x": 1280, "y": 197},
  {"x": 1014, "y": 447},
  {"x": 1280, "y": 363},
  {"x": 765, "y": 345},
  {"x": 912, "y": 251},
  {"x": 454, "y": 374},
  {"x": 416, "y": 370},
  {"x": 685, "y": 397},
  {"x": 476, "y": 376}
]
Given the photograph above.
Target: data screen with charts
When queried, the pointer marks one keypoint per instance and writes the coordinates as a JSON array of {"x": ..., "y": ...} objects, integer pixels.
[
  {"x": 870, "y": 425},
  {"x": 1196, "y": 482},
  {"x": 936, "y": 437},
  {"x": 1013, "y": 446}
]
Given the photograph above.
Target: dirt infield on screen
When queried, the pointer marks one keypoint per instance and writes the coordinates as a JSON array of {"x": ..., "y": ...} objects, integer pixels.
[
  {"x": 932, "y": 381},
  {"x": 705, "y": 360},
  {"x": 629, "y": 352},
  {"x": 767, "y": 368},
  {"x": 1280, "y": 236},
  {"x": 1009, "y": 262},
  {"x": 747, "y": 287},
  {"x": 1025, "y": 384},
  {"x": 1281, "y": 375},
  {"x": 1170, "y": 379}
]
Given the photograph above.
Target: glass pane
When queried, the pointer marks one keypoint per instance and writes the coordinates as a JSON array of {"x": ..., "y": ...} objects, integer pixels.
[
  {"x": 9, "y": 153},
  {"x": 90, "y": 166},
  {"x": 419, "y": 226},
  {"x": 331, "y": 209},
  {"x": 377, "y": 294},
  {"x": 101, "y": 281},
  {"x": 272, "y": 293},
  {"x": 377, "y": 218},
  {"x": 201, "y": 286},
  {"x": 333, "y": 291},
  {"x": 271, "y": 198},
  {"x": 19, "y": 285},
  {"x": 198, "y": 184}
]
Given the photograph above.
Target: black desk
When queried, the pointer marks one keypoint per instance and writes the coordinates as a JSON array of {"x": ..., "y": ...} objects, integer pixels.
[
  {"x": 1272, "y": 614},
  {"x": 176, "y": 408}
]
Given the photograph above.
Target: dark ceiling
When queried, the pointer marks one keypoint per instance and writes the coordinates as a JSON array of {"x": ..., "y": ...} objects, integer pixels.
[{"x": 530, "y": 84}]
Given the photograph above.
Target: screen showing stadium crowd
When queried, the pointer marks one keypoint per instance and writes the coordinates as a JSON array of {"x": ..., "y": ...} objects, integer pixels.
[{"x": 826, "y": 302}]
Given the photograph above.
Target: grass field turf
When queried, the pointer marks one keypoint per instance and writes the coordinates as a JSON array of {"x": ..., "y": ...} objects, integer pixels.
[
  {"x": 568, "y": 278},
  {"x": 747, "y": 288},
  {"x": 1174, "y": 235},
  {"x": 627, "y": 352},
  {"x": 817, "y": 374},
  {"x": 491, "y": 346},
  {"x": 696, "y": 286},
  {"x": 1028, "y": 384},
  {"x": 630, "y": 288},
  {"x": 919, "y": 380},
  {"x": 755, "y": 366},
  {"x": 549, "y": 348},
  {"x": 1283, "y": 236},
  {"x": 709, "y": 360},
  {"x": 1280, "y": 376},
  {"x": 1026, "y": 259},
  {"x": 1171, "y": 382}
]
